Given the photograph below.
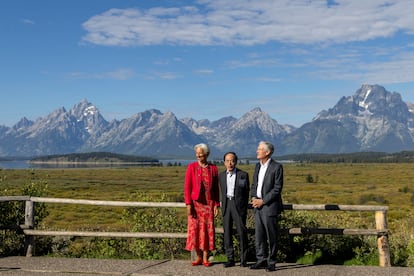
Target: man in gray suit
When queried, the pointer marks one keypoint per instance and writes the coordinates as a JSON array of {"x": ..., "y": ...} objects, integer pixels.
[
  {"x": 267, "y": 203},
  {"x": 235, "y": 188}
]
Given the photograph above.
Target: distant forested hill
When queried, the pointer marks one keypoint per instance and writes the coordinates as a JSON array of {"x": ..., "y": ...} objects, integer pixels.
[{"x": 95, "y": 157}]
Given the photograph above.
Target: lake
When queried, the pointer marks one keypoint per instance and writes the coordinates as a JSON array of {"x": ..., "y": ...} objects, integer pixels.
[{"x": 25, "y": 164}]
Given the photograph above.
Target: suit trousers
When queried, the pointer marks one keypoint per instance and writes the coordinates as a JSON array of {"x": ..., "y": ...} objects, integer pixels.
[
  {"x": 231, "y": 215},
  {"x": 266, "y": 235}
]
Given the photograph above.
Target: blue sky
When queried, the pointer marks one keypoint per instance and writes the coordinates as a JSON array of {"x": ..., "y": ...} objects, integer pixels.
[{"x": 202, "y": 59}]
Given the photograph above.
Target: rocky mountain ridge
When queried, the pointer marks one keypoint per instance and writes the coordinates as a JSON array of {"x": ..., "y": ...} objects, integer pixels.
[{"x": 373, "y": 119}]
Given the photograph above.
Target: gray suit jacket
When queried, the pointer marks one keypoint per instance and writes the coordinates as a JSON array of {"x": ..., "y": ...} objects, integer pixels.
[
  {"x": 241, "y": 191},
  {"x": 271, "y": 189}
]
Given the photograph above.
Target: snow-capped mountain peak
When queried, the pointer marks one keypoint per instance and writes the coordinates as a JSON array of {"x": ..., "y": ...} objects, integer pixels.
[{"x": 372, "y": 119}]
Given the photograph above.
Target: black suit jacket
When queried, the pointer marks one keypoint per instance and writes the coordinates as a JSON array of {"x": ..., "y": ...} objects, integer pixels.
[
  {"x": 271, "y": 189},
  {"x": 241, "y": 191}
]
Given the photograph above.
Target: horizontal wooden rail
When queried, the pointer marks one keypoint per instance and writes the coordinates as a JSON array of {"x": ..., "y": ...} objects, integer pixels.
[
  {"x": 336, "y": 231},
  {"x": 107, "y": 203},
  {"x": 14, "y": 198},
  {"x": 292, "y": 231},
  {"x": 105, "y": 234},
  {"x": 381, "y": 230},
  {"x": 335, "y": 207},
  {"x": 308, "y": 207}
]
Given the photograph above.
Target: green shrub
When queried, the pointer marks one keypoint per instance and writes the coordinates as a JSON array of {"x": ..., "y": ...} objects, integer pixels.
[
  {"x": 13, "y": 215},
  {"x": 310, "y": 257},
  {"x": 367, "y": 198},
  {"x": 405, "y": 189},
  {"x": 319, "y": 249},
  {"x": 311, "y": 179},
  {"x": 401, "y": 243},
  {"x": 410, "y": 251},
  {"x": 138, "y": 219},
  {"x": 365, "y": 254},
  {"x": 156, "y": 220}
]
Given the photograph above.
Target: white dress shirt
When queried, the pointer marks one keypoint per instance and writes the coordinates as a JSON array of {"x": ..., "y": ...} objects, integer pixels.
[
  {"x": 262, "y": 172},
  {"x": 231, "y": 181}
]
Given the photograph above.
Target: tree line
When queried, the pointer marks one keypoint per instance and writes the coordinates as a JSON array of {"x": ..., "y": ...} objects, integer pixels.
[{"x": 356, "y": 157}]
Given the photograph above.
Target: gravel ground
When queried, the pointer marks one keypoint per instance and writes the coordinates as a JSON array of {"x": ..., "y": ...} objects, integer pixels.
[{"x": 45, "y": 266}]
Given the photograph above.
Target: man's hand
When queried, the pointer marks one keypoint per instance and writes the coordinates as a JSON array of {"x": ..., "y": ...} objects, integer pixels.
[{"x": 257, "y": 202}]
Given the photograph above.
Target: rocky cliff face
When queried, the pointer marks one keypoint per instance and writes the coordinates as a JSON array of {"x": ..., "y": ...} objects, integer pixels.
[{"x": 373, "y": 119}]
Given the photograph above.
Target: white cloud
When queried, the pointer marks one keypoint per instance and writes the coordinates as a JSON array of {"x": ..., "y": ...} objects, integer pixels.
[
  {"x": 168, "y": 75},
  {"x": 268, "y": 79},
  {"x": 168, "y": 61},
  {"x": 394, "y": 71},
  {"x": 27, "y": 21},
  {"x": 162, "y": 75},
  {"x": 120, "y": 74},
  {"x": 204, "y": 72},
  {"x": 255, "y": 62},
  {"x": 244, "y": 22},
  {"x": 321, "y": 38}
]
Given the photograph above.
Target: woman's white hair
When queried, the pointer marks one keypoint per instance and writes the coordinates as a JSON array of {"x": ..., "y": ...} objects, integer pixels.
[{"x": 204, "y": 147}]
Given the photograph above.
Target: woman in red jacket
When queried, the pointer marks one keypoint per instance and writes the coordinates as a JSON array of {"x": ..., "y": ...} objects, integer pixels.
[{"x": 201, "y": 196}]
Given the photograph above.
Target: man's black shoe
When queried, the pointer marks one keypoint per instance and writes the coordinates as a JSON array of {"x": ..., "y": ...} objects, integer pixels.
[
  {"x": 270, "y": 268},
  {"x": 229, "y": 263},
  {"x": 243, "y": 264},
  {"x": 258, "y": 265}
]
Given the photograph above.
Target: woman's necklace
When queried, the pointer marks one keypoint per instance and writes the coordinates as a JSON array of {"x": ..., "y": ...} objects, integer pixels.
[{"x": 203, "y": 165}]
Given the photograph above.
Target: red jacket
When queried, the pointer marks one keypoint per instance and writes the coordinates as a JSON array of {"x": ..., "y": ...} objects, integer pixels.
[{"x": 192, "y": 183}]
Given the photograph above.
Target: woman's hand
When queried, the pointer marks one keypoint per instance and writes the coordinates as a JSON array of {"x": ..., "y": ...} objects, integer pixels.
[
  {"x": 216, "y": 211},
  {"x": 190, "y": 211}
]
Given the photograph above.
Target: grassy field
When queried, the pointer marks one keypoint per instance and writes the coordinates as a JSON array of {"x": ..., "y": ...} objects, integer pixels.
[{"x": 373, "y": 184}]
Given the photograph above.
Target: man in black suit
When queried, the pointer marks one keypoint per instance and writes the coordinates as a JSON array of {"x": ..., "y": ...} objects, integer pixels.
[
  {"x": 235, "y": 188},
  {"x": 267, "y": 203}
]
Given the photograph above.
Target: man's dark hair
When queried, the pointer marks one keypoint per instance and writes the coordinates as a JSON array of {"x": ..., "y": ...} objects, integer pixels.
[{"x": 230, "y": 152}]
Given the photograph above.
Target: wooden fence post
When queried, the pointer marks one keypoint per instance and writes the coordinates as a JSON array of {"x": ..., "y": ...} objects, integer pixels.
[
  {"x": 382, "y": 239},
  {"x": 29, "y": 224}
]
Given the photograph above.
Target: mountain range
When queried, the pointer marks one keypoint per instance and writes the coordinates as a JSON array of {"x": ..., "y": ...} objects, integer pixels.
[{"x": 372, "y": 119}]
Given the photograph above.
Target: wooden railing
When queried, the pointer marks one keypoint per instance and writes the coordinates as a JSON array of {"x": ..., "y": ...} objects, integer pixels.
[{"x": 381, "y": 230}]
